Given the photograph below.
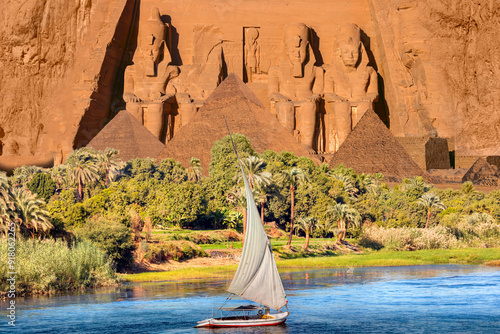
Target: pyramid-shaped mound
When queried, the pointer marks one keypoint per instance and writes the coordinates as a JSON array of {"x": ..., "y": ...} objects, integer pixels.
[
  {"x": 126, "y": 134},
  {"x": 482, "y": 173},
  {"x": 371, "y": 148},
  {"x": 245, "y": 114}
]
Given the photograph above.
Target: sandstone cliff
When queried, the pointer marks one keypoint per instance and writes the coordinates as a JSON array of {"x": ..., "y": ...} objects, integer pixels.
[
  {"x": 61, "y": 62},
  {"x": 440, "y": 62},
  {"x": 52, "y": 60}
]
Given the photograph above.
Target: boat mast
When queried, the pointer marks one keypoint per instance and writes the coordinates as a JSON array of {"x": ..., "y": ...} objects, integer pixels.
[{"x": 257, "y": 277}]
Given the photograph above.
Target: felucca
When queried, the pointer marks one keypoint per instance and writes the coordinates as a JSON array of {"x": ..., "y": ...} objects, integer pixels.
[{"x": 257, "y": 278}]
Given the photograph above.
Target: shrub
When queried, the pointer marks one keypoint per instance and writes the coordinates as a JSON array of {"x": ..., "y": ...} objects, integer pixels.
[
  {"x": 173, "y": 250},
  {"x": 405, "y": 238},
  {"x": 219, "y": 236},
  {"x": 463, "y": 234},
  {"x": 110, "y": 236}
]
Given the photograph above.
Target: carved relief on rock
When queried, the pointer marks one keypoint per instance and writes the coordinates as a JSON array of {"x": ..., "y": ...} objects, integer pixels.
[
  {"x": 252, "y": 53},
  {"x": 294, "y": 85},
  {"x": 350, "y": 88},
  {"x": 148, "y": 80}
]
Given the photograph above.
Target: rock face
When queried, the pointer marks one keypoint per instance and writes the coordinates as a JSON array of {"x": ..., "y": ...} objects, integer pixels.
[
  {"x": 371, "y": 148},
  {"x": 440, "y": 61},
  {"x": 54, "y": 67},
  {"x": 62, "y": 64},
  {"x": 245, "y": 114},
  {"x": 126, "y": 134}
]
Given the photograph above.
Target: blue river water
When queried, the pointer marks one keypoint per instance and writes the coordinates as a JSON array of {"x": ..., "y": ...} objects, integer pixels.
[{"x": 417, "y": 299}]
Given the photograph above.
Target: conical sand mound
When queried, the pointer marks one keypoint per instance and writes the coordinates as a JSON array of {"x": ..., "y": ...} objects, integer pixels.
[
  {"x": 245, "y": 114},
  {"x": 129, "y": 136},
  {"x": 371, "y": 148}
]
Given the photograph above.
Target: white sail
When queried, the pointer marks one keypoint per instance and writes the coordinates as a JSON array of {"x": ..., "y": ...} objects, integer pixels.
[{"x": 257, "y": 278}]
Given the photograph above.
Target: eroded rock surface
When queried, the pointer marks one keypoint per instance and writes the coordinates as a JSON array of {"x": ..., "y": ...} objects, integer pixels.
[
  {"x": 441, "y": 66},
  {"x": 62, "y": 63}
]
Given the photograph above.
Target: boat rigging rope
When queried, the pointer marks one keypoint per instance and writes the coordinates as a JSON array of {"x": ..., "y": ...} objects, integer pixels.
[{"x": 227, "y": 299}]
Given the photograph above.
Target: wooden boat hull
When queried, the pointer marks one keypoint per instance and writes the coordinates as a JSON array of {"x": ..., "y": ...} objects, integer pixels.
[{"x": 275, "y": 319}]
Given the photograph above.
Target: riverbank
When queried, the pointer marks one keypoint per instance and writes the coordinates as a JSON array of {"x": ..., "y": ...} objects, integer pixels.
[
  {"x": 225, "y": 268},
  {"x": 34, "y": 267}
]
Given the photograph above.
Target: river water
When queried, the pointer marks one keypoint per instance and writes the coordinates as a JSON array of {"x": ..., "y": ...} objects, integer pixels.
[{"x": 417, "y": 299}]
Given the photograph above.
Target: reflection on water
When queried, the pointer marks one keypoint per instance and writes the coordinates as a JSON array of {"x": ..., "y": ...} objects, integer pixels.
[
  {"x": 282, "y": 329},
  {"x": 420, "y": 299}
]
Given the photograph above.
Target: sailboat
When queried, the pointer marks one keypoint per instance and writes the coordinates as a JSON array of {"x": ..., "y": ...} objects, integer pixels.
[{"x": 257, "y": 278}]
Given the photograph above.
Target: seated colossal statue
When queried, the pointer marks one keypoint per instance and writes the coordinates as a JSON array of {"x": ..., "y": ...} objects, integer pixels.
[
  {"x": 294, "y": 85},
  {"x": 198, "y": 80},
  {"x": 350, "y": 87},
  {"x": 147, "y": 81}
]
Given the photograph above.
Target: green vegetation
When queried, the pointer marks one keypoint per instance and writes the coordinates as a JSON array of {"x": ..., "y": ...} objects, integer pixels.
[
  {"x": 153, "y": 211},
  {"x": 393, "y": 258},
  {"x": 461, "y": 235},
  {"x": 183, "y": 274},
  {"x": 373, "y": 259},
  {"x": 110, "y": 236},
  {"x": 49, "y": 266},
  {"x": 198, "y": 237},
  {"x": 42, "y": 185},
  {"x": 172, "y": 250}
]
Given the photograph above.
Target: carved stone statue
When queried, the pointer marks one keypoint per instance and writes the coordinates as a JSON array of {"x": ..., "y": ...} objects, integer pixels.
[
  {"x": 197, "y": 80},
  {"x": 147, "y": 79},
  {"x": 252, "y": 53},
  {"x": 294, "y": 85},
  {"x": 351, "y": 86}
]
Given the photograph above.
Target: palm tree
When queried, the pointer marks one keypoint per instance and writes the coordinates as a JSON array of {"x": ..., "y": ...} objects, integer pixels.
[
  {"x": 261, "y": 193},
  {"x": 24, "y": 174},
  {"x": 109, "y": 164},
  {"x": 431, "y": 202},
  {"x": 418, "y": 183},
  {"x": 82, "y": 169},
  {"x": 306, "y": 224},
  {"x": 219, "y": 216},
  {"x": 367, "y": 183},
  {"x": 31, "y": 212},
  {"x": 254, "y": 170},
  {"x": 238, "y": 198},
  {"x": 7, "y": 208},
  {"x": 231, "y": 219},
  {"x": 468, "y": 188},
  {"x": 349, "y": 184},
  {"x": 293, "y": 177},
  {"x": 323, "y": 228},
  {"x": 344, "y": 215},
  {"x": 236, "y": 218},
  {"x": 60, "y": 175},
  {"x": 195, "y": 171},
  {"x": 4, "y": 187}
]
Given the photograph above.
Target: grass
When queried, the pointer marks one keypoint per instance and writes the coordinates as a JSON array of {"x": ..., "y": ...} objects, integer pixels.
[
  {"x": 190, "y": 273},
  {"x": 372, "y": 259},
  {"x": 199, "y": 237},
  {"x": 235, "y": 244},
  {"x": 51, "y": 266},
  {"x": 276, "y": 243},
  {"x": 395, "y": 258}
]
